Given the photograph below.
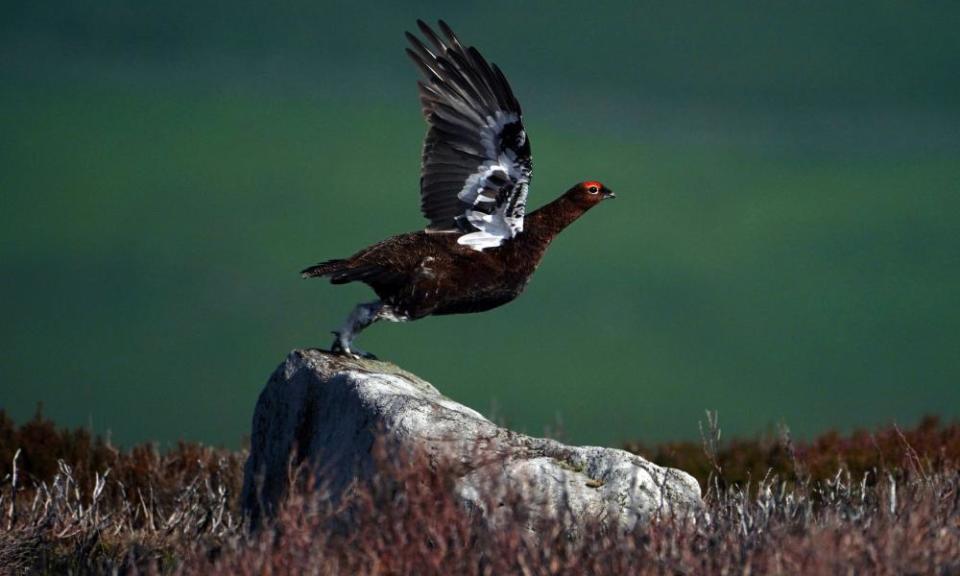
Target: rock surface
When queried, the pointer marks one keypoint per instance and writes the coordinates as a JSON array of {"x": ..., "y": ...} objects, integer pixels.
[{"x": 325, "y": 412}]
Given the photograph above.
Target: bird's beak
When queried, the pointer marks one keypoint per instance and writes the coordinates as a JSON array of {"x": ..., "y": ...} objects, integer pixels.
[{"x": 608, "y": 194}]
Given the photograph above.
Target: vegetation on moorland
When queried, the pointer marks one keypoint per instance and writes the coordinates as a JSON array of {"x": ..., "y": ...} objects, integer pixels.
[{"x": 881, "y": 502}]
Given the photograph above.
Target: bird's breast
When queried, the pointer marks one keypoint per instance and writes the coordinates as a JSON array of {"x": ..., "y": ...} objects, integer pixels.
[{"x": 460, "y": 283}]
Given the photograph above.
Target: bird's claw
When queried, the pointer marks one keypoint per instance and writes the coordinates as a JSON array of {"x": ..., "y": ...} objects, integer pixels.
[
  {"x": 343, "y": 349},
  {"x": 337, "y": 346}
]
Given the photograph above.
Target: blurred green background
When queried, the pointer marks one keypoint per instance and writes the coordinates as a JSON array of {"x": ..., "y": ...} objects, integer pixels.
[{"x": 784, "y": 246}]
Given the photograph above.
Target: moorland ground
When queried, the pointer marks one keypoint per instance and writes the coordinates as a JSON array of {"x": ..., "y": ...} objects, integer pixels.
[{"x": 878, "y": 502}]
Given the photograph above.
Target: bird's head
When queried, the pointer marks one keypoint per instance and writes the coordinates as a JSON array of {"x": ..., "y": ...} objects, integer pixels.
[{"x": 587, "y": 194}]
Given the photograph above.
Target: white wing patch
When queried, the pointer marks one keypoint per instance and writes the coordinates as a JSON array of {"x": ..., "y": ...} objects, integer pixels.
[
  {"x": 482, "y": 187},
  {"x": 476, "y": 166}
]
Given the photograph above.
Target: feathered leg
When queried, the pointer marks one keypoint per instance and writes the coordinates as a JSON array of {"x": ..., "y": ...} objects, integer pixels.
[{"x": 362, "y": 316}]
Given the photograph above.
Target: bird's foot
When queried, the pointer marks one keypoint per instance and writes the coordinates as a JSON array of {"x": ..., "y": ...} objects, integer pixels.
[{"x": 342, "y": 347}]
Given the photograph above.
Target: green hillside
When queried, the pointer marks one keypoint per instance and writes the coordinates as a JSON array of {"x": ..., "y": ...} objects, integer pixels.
[{"x": 784, "y": 245}]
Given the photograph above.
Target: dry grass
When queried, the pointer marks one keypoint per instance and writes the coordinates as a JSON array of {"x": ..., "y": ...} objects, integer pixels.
[
  {"x": 930, "y": 445},
  {"x": 890, "y": 504}
]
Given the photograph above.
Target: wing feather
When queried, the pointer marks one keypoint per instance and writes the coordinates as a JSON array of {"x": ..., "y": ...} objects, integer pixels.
[{"x": 476, "y": 165}]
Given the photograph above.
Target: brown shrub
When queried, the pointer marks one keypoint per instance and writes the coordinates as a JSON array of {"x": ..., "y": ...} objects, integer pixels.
[
  {"x": 930, "y": 446},
  {"x": 412, "y": 525},
  {"x": 886, "y": 502},
  {"x": 42, "y": 446}
]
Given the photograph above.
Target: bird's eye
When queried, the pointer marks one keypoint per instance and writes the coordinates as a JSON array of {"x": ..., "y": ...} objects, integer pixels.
[{"x": 593, "y": 189}]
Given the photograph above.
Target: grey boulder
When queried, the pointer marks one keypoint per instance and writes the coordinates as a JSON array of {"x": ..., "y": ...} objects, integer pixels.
[{"x": 326, "y": 412}]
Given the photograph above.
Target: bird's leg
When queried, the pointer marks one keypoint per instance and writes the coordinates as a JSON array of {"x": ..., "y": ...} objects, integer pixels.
[{"x": 361, "y": 317}]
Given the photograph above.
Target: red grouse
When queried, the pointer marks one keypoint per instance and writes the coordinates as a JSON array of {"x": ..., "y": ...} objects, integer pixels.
[{"x": 479, "y": 249}]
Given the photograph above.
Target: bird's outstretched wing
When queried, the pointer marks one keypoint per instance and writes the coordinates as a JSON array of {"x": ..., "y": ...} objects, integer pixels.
[{"x": 476, "y": 162}]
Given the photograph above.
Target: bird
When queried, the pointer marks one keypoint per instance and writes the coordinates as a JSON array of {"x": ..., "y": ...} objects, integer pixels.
[{"x": 480, "y": 248}]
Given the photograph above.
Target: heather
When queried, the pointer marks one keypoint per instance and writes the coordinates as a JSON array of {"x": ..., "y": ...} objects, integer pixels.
[{"x": 884, "y": 501}]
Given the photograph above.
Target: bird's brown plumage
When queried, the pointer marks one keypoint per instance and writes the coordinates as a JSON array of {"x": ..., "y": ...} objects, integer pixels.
[{"x": 480, "y": 249}]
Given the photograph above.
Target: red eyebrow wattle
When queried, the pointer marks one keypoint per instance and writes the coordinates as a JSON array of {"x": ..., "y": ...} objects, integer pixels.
[{"x": 592, "y": 183}]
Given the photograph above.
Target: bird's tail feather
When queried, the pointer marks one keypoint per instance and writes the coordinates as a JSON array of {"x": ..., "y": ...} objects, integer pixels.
[
  {"x": 341, "y": 271},
  {"x": 324, "y": 269}
]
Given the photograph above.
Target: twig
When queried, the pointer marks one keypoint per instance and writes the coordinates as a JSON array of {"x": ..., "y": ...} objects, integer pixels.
[{"x": 12, "y": 512}]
